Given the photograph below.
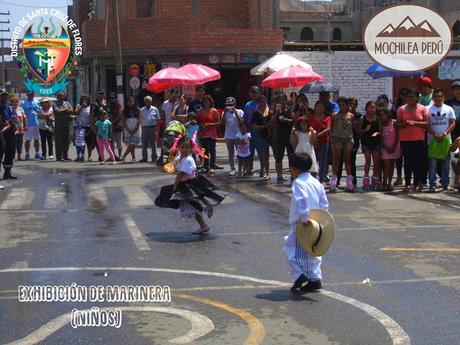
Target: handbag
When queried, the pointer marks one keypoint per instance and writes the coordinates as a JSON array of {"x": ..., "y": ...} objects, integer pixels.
[{"x": 439, "y": 149}]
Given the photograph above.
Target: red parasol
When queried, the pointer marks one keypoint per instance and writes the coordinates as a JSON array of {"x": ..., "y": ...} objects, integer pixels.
[
  {"x": 199, "y": 74},
  {"x": 293, "y": 76}
]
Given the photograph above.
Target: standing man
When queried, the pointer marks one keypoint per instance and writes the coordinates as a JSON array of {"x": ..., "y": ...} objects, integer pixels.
[
  {"x": 114, "y": 110},
  {"x": 330, "y": 107},
  {"x": 196, "y": 105},
  {"x": 7, "y": 136},
  {"x": 232, "y": 119},
  {"x": 62, "y": 111},
  {"x": 31, "y": 108},
  {"x": 168, "y": 106},
  {"x": 426, "y": 91},
  {"x": 249, "y": 109},
  {"x": 455, "y": 104},
  {"x": 149, "y": 118},
  {"x": 441, "y": 123}
]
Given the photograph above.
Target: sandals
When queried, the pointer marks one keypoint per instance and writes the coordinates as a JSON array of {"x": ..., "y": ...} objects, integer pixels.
[{"x": 201, "y": 231}]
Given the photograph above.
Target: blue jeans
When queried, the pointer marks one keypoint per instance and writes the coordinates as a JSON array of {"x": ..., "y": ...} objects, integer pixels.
[
  {"x": 445, "y": 176},
  {"x": 321, "y": 153}
]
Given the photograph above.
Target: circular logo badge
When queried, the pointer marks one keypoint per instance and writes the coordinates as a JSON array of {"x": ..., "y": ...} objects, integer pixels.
[{"x": 407, "y": 38}]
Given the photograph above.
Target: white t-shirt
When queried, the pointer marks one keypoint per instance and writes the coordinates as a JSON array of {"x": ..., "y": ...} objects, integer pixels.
[
  {"x": 168, "y": 108},
  {"x": 439, "y": 118},
  {"x": 243, "y": 150},
  {"x": 188, "y": 167},
  {"x": 232, "y": 125}
]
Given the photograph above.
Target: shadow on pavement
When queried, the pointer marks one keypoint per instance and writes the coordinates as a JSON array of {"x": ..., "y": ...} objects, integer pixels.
[
  {"x": 179, "y": 237},
  {"x": 284, "y": 295}
]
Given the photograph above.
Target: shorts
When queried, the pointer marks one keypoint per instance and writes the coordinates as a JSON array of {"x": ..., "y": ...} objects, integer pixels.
[
  {"x": 343, "y": 143},
  {"x": 244, "y": 158},
  {"x": 116, "y": 139},
  {"x": 280, "y": 146},
  {"x": 370, "y": 148},
  {"x": 32, "y": 133}
]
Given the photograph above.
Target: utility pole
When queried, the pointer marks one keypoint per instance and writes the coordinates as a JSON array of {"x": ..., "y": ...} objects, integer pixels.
[
  {"x": 118, "y": 53},
  {"x": 2, "y": 46}
]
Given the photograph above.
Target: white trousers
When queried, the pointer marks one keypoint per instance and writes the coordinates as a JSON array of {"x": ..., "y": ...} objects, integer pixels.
[{"x": 299, "y": 260}]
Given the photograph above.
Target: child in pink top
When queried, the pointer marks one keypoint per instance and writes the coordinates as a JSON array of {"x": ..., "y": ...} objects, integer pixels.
[{"x": 389, "y": 145}]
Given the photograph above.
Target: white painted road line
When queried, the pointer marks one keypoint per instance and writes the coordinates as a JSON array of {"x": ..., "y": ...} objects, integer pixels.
[
  {"x": 201, "y": 325},
  {"x": 97, "y": 197},
  {"x": 18, "y": 198},
  {"x": 395, "y": 331},
  {"x": 55, "y": 199},
  {"x": 137, "y": 197},
  {"x": 136, "y": 234}
]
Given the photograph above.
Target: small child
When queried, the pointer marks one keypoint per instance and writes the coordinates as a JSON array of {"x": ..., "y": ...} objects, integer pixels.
[
  {"x": 104, "y": 129},
  {"x": 243, "y": 150},
  {"x": 456, "y": 163},
  {"x": 79, "y": 137},
  {"x": 192, "y": 126},
  {"x": 389, "y": 145},
  {"x": 303, "y": 139},
  {"x": 191, "y": 193}
]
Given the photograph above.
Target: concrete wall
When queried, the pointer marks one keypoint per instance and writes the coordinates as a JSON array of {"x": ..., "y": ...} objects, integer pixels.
[{"x": 346, "y": 71}]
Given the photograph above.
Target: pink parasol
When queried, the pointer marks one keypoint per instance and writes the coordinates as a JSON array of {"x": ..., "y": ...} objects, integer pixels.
[
  {"x": 293, "y": 76},
  {"x": 199, "y": 74}
]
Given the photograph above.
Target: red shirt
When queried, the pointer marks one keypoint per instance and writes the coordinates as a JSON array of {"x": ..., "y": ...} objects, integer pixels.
[
  {"x": 320, "y": 126},
  {"x": 211, "y": 117},
  {"x": 412, "y": 133}
]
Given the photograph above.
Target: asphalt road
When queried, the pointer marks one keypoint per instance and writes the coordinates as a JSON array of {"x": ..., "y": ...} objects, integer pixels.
[{"x": 90, "y": 225}]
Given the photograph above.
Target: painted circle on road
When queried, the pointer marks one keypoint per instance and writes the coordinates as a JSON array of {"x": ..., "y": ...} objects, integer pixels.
[{"x": 395, "y": 331}]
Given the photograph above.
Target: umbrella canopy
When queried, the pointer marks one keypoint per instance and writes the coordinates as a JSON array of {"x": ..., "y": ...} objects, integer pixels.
[
  {"x": 199, "y": 74},
  {"x": 291, "y": 77},
  {"x": 377, "y": 71},
  {"x": 165, "y": 79},
  {"x": 190, "y": 74},
  {"x": 278, "y": 62},
  {"x": 318, "y": 87}
]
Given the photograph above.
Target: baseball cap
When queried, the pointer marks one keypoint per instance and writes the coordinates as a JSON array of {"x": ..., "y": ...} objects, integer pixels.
[
  {"x": 230, "y": 101},
  {"x": 255, "y": 89},
  {"x": 30, "y": 92},
  {"x": 100, "y": 92},
  {"x": 426, "y": 81},
  {"x": 3, "y": 91},
  {"x": 455, "y": 84}
]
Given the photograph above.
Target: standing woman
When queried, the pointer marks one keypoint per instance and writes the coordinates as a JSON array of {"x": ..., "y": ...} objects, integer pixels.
[
  {"x": 46, "y": 127},
  {"x": 83, "y": 112},
  {"x": 131, "y": 120},
  {"x": 342, "y": 142},
  {"x": 21, "y": 124},
  {"x": 369, "y": 129},
  {"x": 262, "y": 133},
  {"x": 209, "y": 120},
  {"x": 321, "y": 123},
  {"x": 282, "y": 123},
  {"x": 180, "y": 111},
  {"x": 62, "y": 111},
  {"x": 412, "y": 121},
  {"x": 301, "y": 107}
]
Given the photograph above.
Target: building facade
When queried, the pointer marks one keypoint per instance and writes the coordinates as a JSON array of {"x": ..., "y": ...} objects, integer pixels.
[
  {"x": 344, "y": 20},
  {"x": 231, "y": 36}
]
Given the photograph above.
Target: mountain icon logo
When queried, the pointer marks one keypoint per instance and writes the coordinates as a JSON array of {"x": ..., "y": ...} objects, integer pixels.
[{"x": 407, "y": 28}]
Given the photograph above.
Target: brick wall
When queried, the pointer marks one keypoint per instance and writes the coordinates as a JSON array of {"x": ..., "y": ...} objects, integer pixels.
[
  {"x": 347, "y": 73},
  {"x": 173, "y": 30}
]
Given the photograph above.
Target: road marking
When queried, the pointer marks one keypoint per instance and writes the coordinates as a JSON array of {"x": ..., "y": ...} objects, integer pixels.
[
  {"x": 136, "y": 234},
  {"x": 97, "y": 196},
  {"x": 397, "y": 334},
  {"x": 257, "y": 330},
  {"x": 137, "y": 197},
  {"x": 444, "y": 250},
  {"x": 55, "y": 199},
  {"x": 18, "y": 198},
  {"x": 201, "y": 325}
]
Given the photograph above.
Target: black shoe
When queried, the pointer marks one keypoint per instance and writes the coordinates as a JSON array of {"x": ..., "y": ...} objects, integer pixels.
[
  {"x": 312, "y": 286},
  {"x": 298, "y": 283},
  {"x": 216, "y": 167},
  {"x": 7, "y": 176},
  {"x": 143, "y": 161}
]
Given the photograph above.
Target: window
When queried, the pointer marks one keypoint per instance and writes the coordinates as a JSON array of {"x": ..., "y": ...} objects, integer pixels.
[
  {"x": 456, "y": 29},
  {"x": 145, "y": 8},
  {"x": 336, "y": 34},
  {"x": 306, "y": 34}
]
